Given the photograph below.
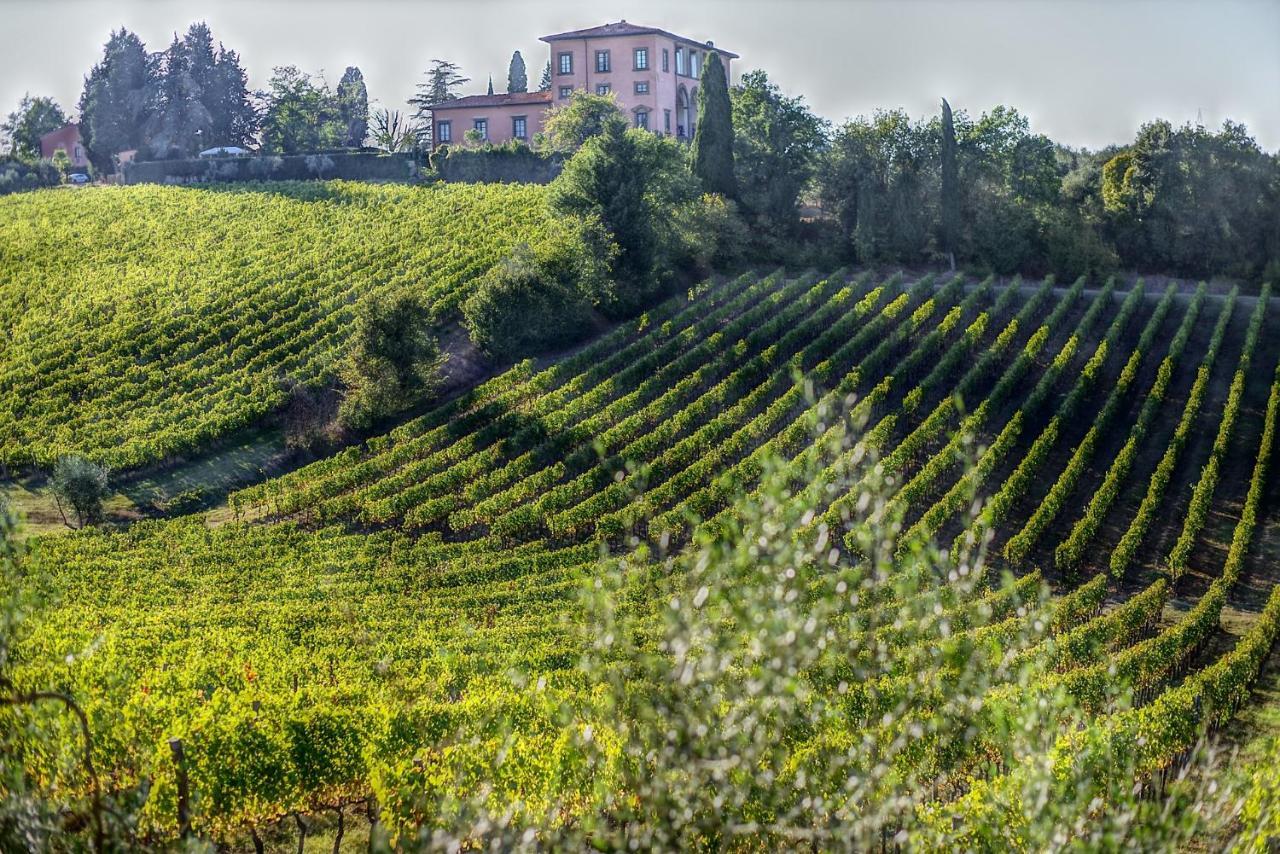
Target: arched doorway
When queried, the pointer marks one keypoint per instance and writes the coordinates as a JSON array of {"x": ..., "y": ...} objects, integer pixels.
[{"x": 683, "y": 125}]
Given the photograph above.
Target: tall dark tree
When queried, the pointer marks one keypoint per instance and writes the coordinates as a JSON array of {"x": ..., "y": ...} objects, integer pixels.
[
  {"x": 490, "y": 92},
  {"x": 353, "y": 105},
  {"x": 950, "y": 198},
  {"x": 220, "y": 85},
  {"x": 544, "y": 85},
  {"x": 713, "y": 139},
  {"x": 517, "y": 76},
  {"x": 443, "y": 82},
  {"x": 180, "y": 122},
  {"x": 34, "y": 118},
  {"x": 235, "y": 119},
  {"x": 115, "y": 104}
]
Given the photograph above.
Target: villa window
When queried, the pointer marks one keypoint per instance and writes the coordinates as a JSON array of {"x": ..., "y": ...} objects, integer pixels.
[
  {"x": 666, "y": 120},
  {"x": 566, "y": 63},
  {"x": 482, "y": 127},
  {"x": 602, "y": 62},
  {"x": 519, "y": 127},
  {"x": 693, "y": 64},
  {"x": 679, "y": 60},
  {"x": 642, "y": 59},
  {"x": 642, "y": 119},
  {"x": 566, "y": 91},
  {"x": 445, "y": 130},
  {"x": 666, "y": 59},
  {"x": 642, "y": 87},
  {"x": 603, "y": 89}
]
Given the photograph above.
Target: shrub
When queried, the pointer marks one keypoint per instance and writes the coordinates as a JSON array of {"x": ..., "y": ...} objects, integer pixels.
[
  {"x": 526, "y": 305},
  {"x": 712, "y": 236},
  {"x": 82, "y": 485},
  {"x": 393, "y": 360}
]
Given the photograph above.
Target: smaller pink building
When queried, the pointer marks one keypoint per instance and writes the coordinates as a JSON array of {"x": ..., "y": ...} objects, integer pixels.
[
  {"x": 68, "y": 139},
  {"x": 496, "y": 118}
]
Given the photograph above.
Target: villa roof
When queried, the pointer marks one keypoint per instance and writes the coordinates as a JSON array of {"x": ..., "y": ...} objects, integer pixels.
[
  {"x": 622, "y": 28},
  {"x": 467, "y": 102}
]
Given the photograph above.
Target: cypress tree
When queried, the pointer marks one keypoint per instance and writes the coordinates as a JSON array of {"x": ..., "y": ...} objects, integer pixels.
[
  {"x": 353, "y": 107},
  {"x": 490, "y": 84},
  {"x": 544, "y": 85},
  {"x": 713, "y": 139},
  {"x": 517, "y": 76},
  {"x": 950, "y": 198}
]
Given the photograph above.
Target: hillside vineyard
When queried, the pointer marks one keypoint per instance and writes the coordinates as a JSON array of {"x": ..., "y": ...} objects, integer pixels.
[
  {"x": 394, "y": 618},
  {"x": 151, "y": 321}
]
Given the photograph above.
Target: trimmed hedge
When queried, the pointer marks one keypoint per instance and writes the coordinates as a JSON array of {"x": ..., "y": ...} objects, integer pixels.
[
  {"x": 508, "y": 164},
  {"x": 351, "y": 166}
]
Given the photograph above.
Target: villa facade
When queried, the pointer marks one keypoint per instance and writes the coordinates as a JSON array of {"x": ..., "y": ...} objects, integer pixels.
[{"x": 653, "y": 73}]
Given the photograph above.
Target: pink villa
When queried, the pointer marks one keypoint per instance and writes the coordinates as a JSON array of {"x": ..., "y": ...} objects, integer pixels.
[{"x": 653, "y": 73}]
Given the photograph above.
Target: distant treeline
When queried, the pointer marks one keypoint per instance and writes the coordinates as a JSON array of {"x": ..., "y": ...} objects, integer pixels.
[{"x": 1185, "y": 200}]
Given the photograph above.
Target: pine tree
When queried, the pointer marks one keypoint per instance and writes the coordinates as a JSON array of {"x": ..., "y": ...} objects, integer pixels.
[
  {"x": 443, "y": 81},
  {"x": 544, "y": 85},
  {"x": 490, "y": 92},
  {"x": 950, "y": 196},
  {"x": 353, "y": 106},
  {"x": 713, "y": 140},
  {"x": 517, "y": 77}
]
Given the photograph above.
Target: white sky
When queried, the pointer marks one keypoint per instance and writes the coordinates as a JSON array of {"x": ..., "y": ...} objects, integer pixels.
[{"x": 1087, "y": 72}]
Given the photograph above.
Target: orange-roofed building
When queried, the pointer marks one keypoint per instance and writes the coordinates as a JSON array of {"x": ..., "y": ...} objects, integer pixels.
[{"x": 652, "y": 72}]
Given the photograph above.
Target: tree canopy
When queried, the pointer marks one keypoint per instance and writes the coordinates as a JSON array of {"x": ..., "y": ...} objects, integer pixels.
[
  {"x": 302, "y": 114},
  {"x": 33, "y": 119},
  {"x": 776, "y": 144}
]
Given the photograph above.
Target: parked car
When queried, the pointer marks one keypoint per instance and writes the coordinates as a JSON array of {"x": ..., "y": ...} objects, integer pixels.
[{"x": 78, "y": 178}]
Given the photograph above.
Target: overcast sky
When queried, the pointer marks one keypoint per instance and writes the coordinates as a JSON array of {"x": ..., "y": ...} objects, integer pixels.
[{"x": 1086, "y": 72}]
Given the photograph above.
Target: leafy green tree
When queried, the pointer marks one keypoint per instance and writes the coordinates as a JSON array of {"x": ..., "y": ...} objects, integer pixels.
[
  {"x": 628, "y": 180},
  {"x": 393, "y": 360},
  {"x": 81, "y": 485},
  {"x": 517, "y": 76},
  {"x": 301, "y": 115},
  {"x": 115, "y": 104},
  {"x": 713, "y": 139},
  {"x": 949, "y": 225},
  {"x": 568, "y": 126},
  {"x": 34, "y": 118},
  {"x": 353, "y": 106},
  {"x": 521, "y": 307},
  {"x": 777, "y": 141}
]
